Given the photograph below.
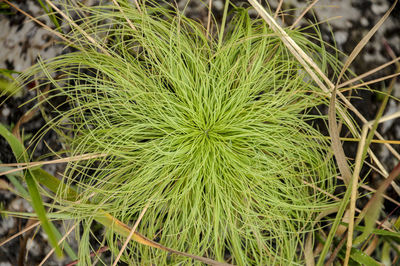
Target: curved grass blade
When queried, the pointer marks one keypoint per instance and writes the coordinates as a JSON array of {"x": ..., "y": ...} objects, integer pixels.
[
  {"x": 380, "y": 232},
  {"x": 124, "y": 230},
  {"x": 364, "y": 41},
  {"x": 64, "y": 244},
  {"x": 338, "y": 153},
  {"x": 37, "y": 204},
  {"x": 50, "y": 14},
  {"x": 12, "y": 177},
  {"x": 372, "y": 213},
  {"x": 109, "y": 221},
  {"x": 363, "y": 258}
]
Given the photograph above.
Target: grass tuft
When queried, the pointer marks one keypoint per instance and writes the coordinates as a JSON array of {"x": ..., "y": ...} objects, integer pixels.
[{"x": 214, "y": 134}]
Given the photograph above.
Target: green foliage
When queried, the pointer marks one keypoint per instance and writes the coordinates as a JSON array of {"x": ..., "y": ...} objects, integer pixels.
[
  {"x": 214, "y": 133},
  {"x": 6, "y": 82},
  {"x": 50, "y": 13},
  {"x": 5, "y": 9},
  {"x": 34, "y": 195}
]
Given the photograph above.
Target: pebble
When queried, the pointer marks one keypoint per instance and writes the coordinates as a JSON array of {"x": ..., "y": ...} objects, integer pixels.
[
  {"x": 5, "y": 112},
  {"x": 374, "y": 56},
  {"x": 33, "y": 247},
  {"x": 397, "y": 130},
  {"x": 252, "y": 12},
  {"x": 386, "y": 158},
  {"x": 364, "y": 22},
  {"x": 341, "y": 37},
  {"x": 20, "y": 204},
  {"x": 379, "y": 7},
  {"x": 6, "y": 224},
  {"x": 218, "y": 4},
  {"x": 44, "y": 235},
  {"x": 51, "y": 169},
  {"x": 390, "y": 109},
  {"x": 396, "y": 90}
]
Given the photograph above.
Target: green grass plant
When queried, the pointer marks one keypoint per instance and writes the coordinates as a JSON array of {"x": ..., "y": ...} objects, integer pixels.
[{"x": 215, "y": 134}]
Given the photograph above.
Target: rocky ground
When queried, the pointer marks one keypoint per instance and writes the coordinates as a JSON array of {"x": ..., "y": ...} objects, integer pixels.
[{"x": 22, "y": 42}]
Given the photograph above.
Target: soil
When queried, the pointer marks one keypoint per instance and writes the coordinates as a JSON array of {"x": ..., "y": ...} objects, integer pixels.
[{"x": 23, "y": 42}]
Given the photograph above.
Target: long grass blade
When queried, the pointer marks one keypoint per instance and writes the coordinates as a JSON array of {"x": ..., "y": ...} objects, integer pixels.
[
  {"x": 16, "y": 183},
  {"x": 353, "y": 197},
  {"x": 44, "y": 26},
  {"x": 362, "y": 258},
  {"x": 131, "y": 234},
  {"x": 372, "y": 213},
  {"x": 310, "y": 67},
  {"x": 37, "y": 204},
  {"x": 23, "y": 166},
  {"x": 364, "y": 41},
  {"x": 26, "y": 229},
  {"x": 68, "y": 249},
  {"x": 368, "y": 73},
  {"x": 278, "y": 9},
  {"x": 224, "y": 21},
  {"x": 109, "y": 221},
  {"x": 124, "y": 230},
  {"x": 364, "y": 84},
  {"x": 36, "y": 199},
  {"x": 77, "y": 27},
  {"x": 298, "y": 19},
  {"x": 346, "y": 197},
  {"x": 51, "y": 15}
]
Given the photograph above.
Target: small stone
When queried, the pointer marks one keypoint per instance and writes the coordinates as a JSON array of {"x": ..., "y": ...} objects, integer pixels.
[
  {"x": 218, "y": 5},
  {"x": 252, "y": 12},
  {"x": 44, "y": 235},
  {"x": 51, "y": 168},
  {"x": 379, "y": 7},
  {"x": 396, "y": 91},
  {"x": 364, "y": 22},
  {"x": 397, "y": 131},
  {"x": 348, "y": 24},
  {"x": 341, "y": 37},
  {"x": 33, "y": 247},
  {"x": 5, "y": 112},
  {"x": 391, "y": 109},
  {"x": 182, "y": 5},
  {"x": 6, "y": 224},
  {"x": 20, "y": 204}
]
